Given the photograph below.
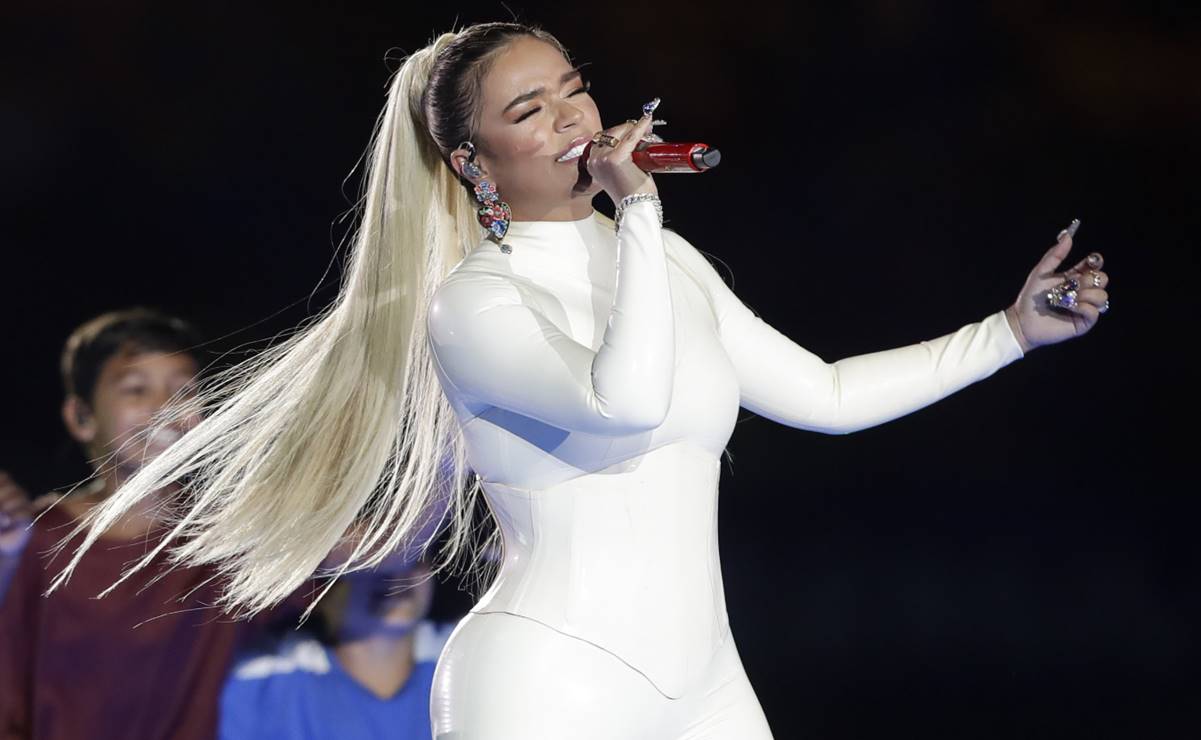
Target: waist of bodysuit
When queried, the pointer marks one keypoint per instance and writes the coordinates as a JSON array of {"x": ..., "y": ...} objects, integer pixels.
[{"x": 627, "y": 561}]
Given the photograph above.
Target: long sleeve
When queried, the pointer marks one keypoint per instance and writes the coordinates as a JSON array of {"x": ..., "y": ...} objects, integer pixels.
[
  {"x": 496, "y": 349},
  {"x": 784, "y": 382},
  {"x": 18, "y": 635}
]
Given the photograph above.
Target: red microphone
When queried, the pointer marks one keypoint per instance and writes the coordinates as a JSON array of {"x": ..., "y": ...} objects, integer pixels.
[
  {"x": 675, "y": 156},
  {"x": 666, "y": 156}
]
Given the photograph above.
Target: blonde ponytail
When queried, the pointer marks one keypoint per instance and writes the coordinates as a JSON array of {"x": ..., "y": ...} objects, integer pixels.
[{"x": 344, "y": 423}]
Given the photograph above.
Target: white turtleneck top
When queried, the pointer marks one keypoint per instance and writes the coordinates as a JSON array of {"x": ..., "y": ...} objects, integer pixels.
[{"x": 597, "y": 379}]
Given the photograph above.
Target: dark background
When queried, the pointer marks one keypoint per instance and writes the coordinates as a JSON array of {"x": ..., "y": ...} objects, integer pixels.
[{"x": 1016, "y": 561}]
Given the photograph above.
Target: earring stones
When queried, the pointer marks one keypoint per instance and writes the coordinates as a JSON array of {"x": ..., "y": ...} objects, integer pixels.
[
  {"x": 495, "y": 217},
  {"x": 494, "y": 214}
]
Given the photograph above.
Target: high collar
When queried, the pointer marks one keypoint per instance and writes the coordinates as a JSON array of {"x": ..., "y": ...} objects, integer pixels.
[
  {"x": 586, "y": 229},
  {"x": 583, "y": 240}
]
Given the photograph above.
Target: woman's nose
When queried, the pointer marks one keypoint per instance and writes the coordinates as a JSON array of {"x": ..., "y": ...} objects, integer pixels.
[{"x": 569, "y": 115}]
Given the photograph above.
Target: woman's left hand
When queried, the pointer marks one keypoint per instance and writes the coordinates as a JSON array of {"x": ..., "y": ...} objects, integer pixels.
[{"x": 1035, "y": 322}]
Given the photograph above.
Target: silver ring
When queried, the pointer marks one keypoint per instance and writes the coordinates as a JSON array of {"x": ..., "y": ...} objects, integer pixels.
[
  {"x": 1096, "y": 279},
  {"x": 1104, "y": 308},
  {"x": 1058, "y": 297}
]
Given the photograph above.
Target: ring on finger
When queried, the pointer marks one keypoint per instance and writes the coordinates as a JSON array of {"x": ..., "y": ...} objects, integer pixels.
[
  {"x": 1104, "y": 308},
  {"x": 1096, "y": 279},
  {"x": 1061, "y": 296},
  {"x": 605, "y": 139}
]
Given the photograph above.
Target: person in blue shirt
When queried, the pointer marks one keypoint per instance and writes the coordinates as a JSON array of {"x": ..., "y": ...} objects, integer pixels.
[{"x": 365, "y": 674}]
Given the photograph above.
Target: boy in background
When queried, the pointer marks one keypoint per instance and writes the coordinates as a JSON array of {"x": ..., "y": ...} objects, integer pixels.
[{"x": 148, "y": 660}]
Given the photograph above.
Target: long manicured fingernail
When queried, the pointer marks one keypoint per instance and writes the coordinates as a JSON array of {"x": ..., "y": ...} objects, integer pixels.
[
  {"x": 649, "y": 108},
  {"x": 1070, "y": 230}
]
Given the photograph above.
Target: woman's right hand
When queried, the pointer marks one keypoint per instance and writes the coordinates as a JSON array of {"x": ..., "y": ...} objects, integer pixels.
[{"x": 613, "y": 166}]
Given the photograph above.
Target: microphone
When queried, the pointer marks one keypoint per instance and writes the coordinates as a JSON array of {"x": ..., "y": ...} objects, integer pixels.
[
  {"x": 675, "y": 156},
  {"x": 666, "y": 156}
]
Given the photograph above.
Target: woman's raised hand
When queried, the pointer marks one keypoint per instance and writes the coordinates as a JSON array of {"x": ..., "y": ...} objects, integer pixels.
[
  {"x": 613, "y": 166},
  {"x": 1036, "y": 322}
]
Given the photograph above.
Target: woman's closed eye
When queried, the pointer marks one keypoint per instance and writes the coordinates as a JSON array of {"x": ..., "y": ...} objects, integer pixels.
[{"x": 583, "y": 89}]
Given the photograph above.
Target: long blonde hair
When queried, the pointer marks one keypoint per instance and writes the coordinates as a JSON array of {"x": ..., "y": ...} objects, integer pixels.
[{"x": 344, "y": 423}]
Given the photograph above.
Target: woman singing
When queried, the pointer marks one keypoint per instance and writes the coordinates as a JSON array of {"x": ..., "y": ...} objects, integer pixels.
[{"x": 584, "y": 376}]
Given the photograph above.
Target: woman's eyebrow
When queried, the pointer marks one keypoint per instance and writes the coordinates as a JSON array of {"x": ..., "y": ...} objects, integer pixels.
[{"x": 539, "y": 90}]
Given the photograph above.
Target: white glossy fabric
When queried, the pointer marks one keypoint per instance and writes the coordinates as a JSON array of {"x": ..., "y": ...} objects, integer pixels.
[{"x": 597, "y": 382}]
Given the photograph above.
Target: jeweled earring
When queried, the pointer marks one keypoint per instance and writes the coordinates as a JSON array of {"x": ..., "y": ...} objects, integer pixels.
[{"x": 494, "y": 214}]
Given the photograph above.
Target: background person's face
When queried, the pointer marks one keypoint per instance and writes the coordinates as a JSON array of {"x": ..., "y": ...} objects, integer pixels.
[
  {"x": 131, "y": 388},
  {"x": 387, "y": 601},
  {"x": 522, "y": 142}
]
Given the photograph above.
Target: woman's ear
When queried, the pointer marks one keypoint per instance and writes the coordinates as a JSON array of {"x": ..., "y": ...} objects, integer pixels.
[
  {"x": 79, "y": 419},
  {"x": 473, "y": 171}
]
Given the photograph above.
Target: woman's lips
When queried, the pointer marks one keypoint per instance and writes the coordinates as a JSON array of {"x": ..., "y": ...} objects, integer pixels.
[{"x": 573, "y": 151}]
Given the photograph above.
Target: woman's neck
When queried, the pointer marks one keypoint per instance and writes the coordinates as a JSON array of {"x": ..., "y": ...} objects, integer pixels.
[{"x": 574, "y": 210}]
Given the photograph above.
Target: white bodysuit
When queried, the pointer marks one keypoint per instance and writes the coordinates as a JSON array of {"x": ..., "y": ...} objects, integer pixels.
[{"x": 597, "y": 381}]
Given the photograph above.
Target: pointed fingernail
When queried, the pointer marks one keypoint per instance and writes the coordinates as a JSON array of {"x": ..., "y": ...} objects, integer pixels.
[
  {"x": 1070, "y": 230},
  {"x": 649, "y": 108}
]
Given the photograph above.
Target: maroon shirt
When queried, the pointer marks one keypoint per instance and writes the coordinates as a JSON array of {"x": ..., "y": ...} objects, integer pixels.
[{"x": 130, "y": 665}]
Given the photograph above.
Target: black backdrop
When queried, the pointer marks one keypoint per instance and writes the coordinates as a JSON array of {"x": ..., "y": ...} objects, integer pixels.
[{"x": 1016, "y": 561}]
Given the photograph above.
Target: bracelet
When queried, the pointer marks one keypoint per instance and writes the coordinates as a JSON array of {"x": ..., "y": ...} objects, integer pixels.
[{"x": 637, "y": 198}]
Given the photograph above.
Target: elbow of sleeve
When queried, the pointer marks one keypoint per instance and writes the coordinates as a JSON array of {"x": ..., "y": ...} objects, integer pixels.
[
  {"x": 836, "y": 423},
  {"x": 653, "y": 414},
  {"x": 636, "y": 416},
  {"x": 843, "y": 429},
  {"x": 632, "y": 413},
  {"x": 636, "y": 399},
  {"x": 833, "y": 425}
]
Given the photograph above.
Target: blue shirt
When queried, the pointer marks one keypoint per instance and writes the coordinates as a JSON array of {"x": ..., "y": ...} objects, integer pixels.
[{"x": 301, "y": 692}]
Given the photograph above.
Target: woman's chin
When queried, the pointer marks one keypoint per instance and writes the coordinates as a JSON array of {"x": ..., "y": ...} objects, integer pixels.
[{"x": 585, "y": 186}]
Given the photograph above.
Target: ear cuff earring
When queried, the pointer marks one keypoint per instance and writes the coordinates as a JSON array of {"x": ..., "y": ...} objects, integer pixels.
[{"x": 494, "y": 214}]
